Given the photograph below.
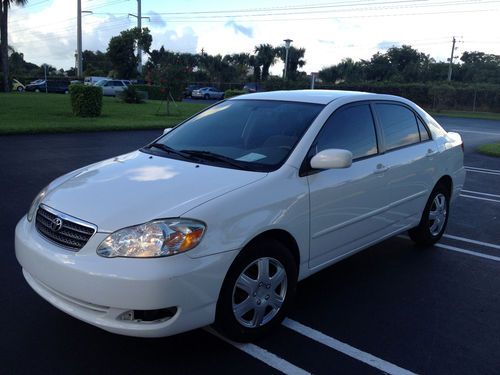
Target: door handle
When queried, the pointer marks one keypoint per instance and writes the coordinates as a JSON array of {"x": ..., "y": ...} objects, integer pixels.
[
  {"x": 431, "y": 152},
  {"x": 381, "y": 168}
]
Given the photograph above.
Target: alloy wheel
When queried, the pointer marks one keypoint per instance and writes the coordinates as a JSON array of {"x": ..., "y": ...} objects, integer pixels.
[{"x": 259, "y": 292}]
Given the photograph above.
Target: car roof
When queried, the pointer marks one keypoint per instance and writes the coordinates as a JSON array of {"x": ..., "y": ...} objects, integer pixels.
[{"x": 304, "y": 96}]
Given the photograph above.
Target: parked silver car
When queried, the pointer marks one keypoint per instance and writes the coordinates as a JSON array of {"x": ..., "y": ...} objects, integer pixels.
[
  {"x": 207, "y": 93},
  {"x": 111, "y": 87}
]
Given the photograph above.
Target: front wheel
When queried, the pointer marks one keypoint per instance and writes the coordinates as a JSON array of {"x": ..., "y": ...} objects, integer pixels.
[
  {"x": 20, "y": 89},
  {"x": 206, "y": 96},
  {"x": 257, "y": 291},
  {"x": 434, "y": 218}
]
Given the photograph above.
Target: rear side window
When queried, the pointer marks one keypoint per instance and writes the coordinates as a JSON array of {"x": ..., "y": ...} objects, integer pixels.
[
  {"x": 399, "y": 125},
  {"x": 424, "y": 134},
  {"x": 351, "y": 128}
]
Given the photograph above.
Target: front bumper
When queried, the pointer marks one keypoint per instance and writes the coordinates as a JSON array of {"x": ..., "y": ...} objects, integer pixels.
[{"x": 100, "y": 291}]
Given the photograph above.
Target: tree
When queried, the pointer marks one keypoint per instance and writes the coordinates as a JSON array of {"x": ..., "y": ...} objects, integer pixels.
[
  {"x": 121, "y": 50},
  {"x": 96, "y": 63},
  {"x": 4, "y": 50},
  {"x": 479, "y": 67},
  {"x": 266, "y": 57},
  {"x": 295, "y": 60}
]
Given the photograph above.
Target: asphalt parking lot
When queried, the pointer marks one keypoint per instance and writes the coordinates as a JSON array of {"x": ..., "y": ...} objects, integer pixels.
[{"x": 393, "y": 308}]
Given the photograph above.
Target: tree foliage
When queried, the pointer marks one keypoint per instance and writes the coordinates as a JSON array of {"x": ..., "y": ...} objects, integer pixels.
[
  {"x": 121, "y": 51},
  {"x": 4, "y": 38}
]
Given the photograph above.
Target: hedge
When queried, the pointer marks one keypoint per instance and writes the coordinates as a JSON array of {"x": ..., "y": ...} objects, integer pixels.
[
  {"x": 230, "y": 93},
  {"x": 86, "y": 101}
]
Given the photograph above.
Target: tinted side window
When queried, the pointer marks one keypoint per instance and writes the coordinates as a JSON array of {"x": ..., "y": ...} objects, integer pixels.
[
  {"x": 352, "y": 129},
  {"x": 399, "y": 125},
  {"x": 424, "y": 134}
]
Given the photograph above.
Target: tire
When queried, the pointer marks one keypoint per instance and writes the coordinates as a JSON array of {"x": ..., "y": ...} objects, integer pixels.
[
  {"x": 37, "y": 90},
  {"x": 434, "y": 218},
  {"x": 20, "y": 89},
  {"x": 250, "y": 305},
  {"x": 206, "y": 96}
]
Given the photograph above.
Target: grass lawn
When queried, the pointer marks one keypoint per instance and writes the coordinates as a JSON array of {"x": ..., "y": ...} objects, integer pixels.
[
  {"x": 44, "y": 113},
  {"x": 467, "y": 114},
  {"x": 491, "y": 149}
]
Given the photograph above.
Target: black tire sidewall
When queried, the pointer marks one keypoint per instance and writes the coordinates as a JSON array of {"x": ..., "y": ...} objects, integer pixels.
[
  {"x": 225, "y": 321},
  {"x": 422, "y": 234}
]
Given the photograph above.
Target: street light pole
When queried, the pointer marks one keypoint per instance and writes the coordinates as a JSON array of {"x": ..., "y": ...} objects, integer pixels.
[
  {"x": 287, "y": 47},
  {"x": 79, "y": 71}
]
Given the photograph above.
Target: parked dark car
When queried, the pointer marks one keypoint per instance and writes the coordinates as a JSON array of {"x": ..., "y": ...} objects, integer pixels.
[
  {"x": 50, "y": 86},
  {"x": 188, "y": 91}
]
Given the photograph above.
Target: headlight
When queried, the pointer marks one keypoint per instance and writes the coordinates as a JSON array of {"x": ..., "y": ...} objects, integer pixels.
[
  {"x": 34, "y": 205},
  {"x": 154, "y": 239}
]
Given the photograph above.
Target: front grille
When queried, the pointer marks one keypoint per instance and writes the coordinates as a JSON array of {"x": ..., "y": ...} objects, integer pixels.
[{"x": 71, "y": 233}]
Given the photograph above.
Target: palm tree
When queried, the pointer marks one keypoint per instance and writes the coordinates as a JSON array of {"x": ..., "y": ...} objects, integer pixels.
[
  {"x": 295, "y": 59},
  {"x": 4, "y": 51},
  {"x": 266, "y": 56}
]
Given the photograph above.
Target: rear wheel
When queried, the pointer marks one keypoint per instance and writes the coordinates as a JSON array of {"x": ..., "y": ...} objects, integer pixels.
[
  {"x": 20, "y": 89},
  {"x": 257, "y": 291},
  {"x": 206, "y": 96},
  {"x": 434, "y": 218}
]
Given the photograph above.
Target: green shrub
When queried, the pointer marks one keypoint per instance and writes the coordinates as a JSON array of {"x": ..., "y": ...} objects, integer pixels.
[
  {"x": 86, "y": 101},
  {"x": 132, "y": 95},
  {"x": 230, "y": 93},
  {"x": 154, "y": 92}
]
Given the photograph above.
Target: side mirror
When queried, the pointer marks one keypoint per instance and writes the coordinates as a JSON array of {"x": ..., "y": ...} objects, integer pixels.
[
  {"x": 166, "y": 130},
  {"x": 332, "y": 158}
]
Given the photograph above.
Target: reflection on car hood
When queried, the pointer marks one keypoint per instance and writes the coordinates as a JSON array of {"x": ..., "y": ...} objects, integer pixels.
[{"x": 137, "y": 187}]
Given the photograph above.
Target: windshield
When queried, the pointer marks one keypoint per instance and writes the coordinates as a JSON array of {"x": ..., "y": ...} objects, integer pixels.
[
  {"x": 102, "y": 82},
  {"x": 256, "y": 134}
]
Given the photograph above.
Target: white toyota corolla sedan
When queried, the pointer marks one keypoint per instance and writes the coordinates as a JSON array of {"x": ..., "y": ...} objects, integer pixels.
[{"x": 215, "y": 221}]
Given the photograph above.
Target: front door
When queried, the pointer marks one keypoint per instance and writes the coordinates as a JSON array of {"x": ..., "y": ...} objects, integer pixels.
[{"x": 349, "y": 207}]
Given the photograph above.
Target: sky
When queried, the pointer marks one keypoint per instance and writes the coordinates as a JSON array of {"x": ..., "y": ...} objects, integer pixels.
[{"x": 45, "y": 30}]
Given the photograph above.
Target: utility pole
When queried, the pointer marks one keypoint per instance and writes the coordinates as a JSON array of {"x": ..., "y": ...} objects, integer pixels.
[
  {"x": 139, "y": 26},
  {"x": 450, "y": 66},
  {"x": 79, "y": 70},
  {"x": 79, "y": 58},
  {"x": 287, "y": 47}
]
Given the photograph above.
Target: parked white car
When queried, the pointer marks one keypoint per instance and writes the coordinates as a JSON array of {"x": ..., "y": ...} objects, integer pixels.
[
  {"x": 207, "y": 93},
  {"x": 215, "y": 221},
  {"x": 112, "y": 87}
]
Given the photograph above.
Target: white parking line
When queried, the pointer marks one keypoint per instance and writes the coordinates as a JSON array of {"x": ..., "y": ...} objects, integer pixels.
[
  {"x": 480, "y": 198},
  {"x": 482, "y": 169},
  {"x": 468, "y": 252},
  {"x": 483, "y": 172},
  {"x": 349, "y": 350},
  {"x": 479, "y": 193},
  {"x": 264, "y": 356},
  {"x": 487, "y": 244}
]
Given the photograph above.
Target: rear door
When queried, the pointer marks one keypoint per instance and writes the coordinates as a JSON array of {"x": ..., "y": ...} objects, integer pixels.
[
  {"x": 348, "y": 206},
  {"x": 408, "y": 155}
]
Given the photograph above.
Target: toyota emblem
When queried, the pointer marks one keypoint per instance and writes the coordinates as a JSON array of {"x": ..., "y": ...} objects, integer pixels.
[{"x": 56, "y": 224}]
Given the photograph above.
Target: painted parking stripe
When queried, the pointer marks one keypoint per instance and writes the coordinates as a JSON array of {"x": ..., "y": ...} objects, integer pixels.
[
  {"x": 479, "y": 193},
  {"x": 468, "y": 252},
  {"x": 344, "y": 348},
  {"x": 482, "y": 169},
  {"x": 264, "y": 356},
  {"x": 483, "y": 172},
  {"x": 459, "y": 250},
  {"x": 486, "y": 244},
  {"x": 480, "y": 198}
]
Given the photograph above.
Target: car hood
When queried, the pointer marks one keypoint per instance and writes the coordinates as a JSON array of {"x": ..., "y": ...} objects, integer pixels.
[{"x": 137, "y": 187}]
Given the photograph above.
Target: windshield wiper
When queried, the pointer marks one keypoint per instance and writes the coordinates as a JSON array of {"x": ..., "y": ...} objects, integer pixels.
[
  {"x": 169, "y": 150},
  {"x": 208, "y": 155}
]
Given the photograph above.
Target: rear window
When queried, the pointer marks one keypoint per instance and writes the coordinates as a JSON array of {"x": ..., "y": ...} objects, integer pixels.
[{"x": 399, "y": 125}]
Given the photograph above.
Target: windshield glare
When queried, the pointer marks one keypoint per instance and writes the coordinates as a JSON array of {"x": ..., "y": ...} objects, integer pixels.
[{"x": 261, "y": 133}]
